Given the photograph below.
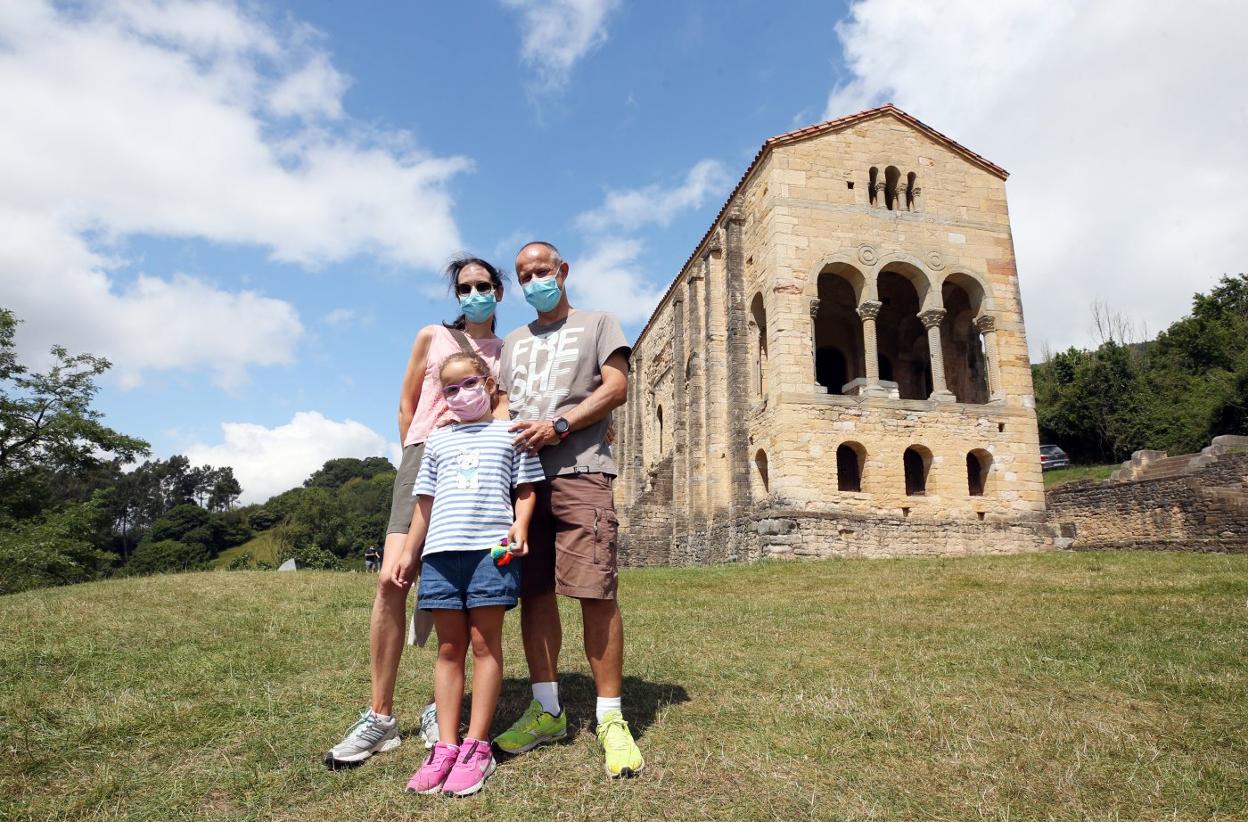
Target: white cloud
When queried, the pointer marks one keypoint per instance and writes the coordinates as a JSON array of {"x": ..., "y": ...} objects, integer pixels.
[
  {"x": 189, "y": 120},
  {"x": 631, "y": 209},
  {"x": 267, "y": 461},
  {"x": 610, "y": 278},
  {"x": 342, "y": 317},
  {"x": 1118, "y": 121},
  {"x": 558, "y": 33}
]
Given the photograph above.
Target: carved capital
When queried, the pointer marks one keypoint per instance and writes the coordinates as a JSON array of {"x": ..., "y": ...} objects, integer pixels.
[
  {"x": 870, "y": 309},
  {"x": 713, "y": 246},
  {"x": 932, "y": 317},
  {"x": 814, "y": 309},
  {"x": 734, "y": 215},
  {"x": 916, "y": 191},
  {"x": 985, "y": 323}
]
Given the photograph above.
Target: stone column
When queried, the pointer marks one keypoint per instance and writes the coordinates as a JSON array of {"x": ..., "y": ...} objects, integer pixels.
[
  {"x": 715, "y": 393},
  {"x": 931, "y": 320},
  {"x": 738, "y": 364},
  {"x": 695, "y": 392},
  {"x": 986, "y": 324},
  {"x": 814, "y": 343},
  {"x": 881, "y": 197},
  {"x": 636, "y": 441},
  {"x": 680, "y": 428},
  {"x": 869, "y": 311},
  {"x": 914, "y": 198}
]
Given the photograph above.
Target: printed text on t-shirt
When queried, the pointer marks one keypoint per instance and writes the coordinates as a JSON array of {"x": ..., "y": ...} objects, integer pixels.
[{"x": 537, "y": 363}]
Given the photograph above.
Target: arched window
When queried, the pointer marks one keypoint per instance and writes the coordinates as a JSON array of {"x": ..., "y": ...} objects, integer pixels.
[
  {"x": 758, "y": 344},
  {"x": 850, "y": 457},
  {"x": 900, "y": 336},
  {"x": 874, "y": 175},
  {"x": 978, "y": 466},
  {"x": 659, "y": 416},
  {"x": 916, "y": 462},
  {"x": 891, "y": 176},
  {"x": 911, "y": 185},
  {"x": 837, "y": 328},
  {"x": 760, "y": 464}
]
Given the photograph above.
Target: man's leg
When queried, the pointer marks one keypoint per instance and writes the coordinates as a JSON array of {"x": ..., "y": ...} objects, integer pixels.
[
  {"x": 604, "y": 644},
  {"x": 543, "y": 635}
]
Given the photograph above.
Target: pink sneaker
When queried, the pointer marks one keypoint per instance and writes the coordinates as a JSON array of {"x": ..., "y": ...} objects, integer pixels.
[
  {"x": 474, "y": 766},
  {"x": 433, "y": 773}
]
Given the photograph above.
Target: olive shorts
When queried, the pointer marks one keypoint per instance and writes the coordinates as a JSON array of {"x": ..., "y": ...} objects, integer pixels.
[{"x": 402, "y": 500}]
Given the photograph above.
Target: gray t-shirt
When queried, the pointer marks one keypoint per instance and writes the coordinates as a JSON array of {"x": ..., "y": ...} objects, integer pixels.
[{"x": 547, "y": 370}]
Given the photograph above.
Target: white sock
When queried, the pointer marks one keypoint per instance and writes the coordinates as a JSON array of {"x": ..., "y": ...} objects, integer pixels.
[
  {"x": 607, "y": 704},
  {"x": 547, "y": 693}
]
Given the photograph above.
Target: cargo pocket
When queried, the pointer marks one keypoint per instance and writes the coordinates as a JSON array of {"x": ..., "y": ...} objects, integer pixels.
[{"x": 606, "y": 534}]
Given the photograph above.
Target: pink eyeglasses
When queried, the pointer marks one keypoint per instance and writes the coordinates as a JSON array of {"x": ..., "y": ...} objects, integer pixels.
[{"x": 467, "y": 384}]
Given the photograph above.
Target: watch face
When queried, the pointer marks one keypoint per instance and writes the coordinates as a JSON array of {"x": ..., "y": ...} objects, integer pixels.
[{"x": 561, "y": 426}]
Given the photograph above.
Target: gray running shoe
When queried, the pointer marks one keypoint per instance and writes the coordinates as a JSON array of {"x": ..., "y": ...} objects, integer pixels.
[
  {"x": 370, "y": 734},
  {"x": 429, "y": 725}
]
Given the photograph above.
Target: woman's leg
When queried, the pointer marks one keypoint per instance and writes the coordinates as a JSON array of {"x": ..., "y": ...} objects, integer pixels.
[
  {"x": 486, "y": 628},
  {"x": 387, "y": 629},
  {"x": 448, "y": 671}
]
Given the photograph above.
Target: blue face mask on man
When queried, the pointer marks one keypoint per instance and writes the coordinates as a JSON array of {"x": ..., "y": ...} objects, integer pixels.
[
  {"x": 478, "y": 307},
  {"x": 543, "y": 293}
]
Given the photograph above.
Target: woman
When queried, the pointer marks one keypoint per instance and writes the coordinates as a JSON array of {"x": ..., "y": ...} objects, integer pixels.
[{"x": 422, "y": 408}]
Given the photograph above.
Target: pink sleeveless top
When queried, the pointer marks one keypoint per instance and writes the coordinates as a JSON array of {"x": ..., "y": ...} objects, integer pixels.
[{"x": 431, "y": 410}]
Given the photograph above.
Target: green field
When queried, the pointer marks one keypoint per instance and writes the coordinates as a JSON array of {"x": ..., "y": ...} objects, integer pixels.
[
  {"x": 261, "y": 548},
  {"x": 1058, "y": 476},
  {"x": 1066, "y": 685}
]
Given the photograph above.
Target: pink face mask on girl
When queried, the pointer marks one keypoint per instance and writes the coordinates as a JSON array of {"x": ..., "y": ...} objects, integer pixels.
[{"x": 468, "y": 400}]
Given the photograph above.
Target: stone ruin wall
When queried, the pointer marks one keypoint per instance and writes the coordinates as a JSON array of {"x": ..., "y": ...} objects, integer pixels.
[
  {"x": 1203, "y": 508},
  {"x": 744, "y": 466}
]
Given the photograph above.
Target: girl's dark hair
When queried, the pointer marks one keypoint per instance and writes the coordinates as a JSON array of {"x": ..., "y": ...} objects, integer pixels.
[
  {"x": 478, "y": 364},
  {"x": 452, "y": 273}
]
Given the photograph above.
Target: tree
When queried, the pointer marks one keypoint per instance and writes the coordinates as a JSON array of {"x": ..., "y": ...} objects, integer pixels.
[
  {"x": 166, "y": 556},
  {"x": 336, "y": 473},
  {"x": 54, "y": 549},
  {"x": 225, "y": 489},
  {"x": 47, "y": 425}
]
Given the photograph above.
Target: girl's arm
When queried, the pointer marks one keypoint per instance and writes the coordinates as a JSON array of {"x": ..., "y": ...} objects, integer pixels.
[
  {"x": 409, "y": 560},
  {"x": 526, "y": 502},
  {"x": 413, "y": 379}
]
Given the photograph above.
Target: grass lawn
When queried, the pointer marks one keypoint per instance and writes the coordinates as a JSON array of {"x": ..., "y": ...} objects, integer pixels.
[
  {"x": 1062, "y": 685},
  {"x": 261, "y": 547},
  {"x": 1058, "y": 476}
]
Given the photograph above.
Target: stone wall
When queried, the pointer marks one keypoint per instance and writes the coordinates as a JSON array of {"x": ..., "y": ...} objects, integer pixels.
[{"x": 1203, "y": 510}]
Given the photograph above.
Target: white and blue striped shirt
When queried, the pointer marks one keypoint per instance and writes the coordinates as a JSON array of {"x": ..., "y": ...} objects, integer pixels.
[{"x": 469, "y": 470}]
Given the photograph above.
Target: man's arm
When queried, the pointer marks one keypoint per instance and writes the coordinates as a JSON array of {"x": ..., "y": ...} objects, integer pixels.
[
  {"x": 413, "y": 379},
  {"x": 536, "y": 434}
]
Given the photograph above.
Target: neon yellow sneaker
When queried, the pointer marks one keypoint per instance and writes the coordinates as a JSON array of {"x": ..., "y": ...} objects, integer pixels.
[
  {"x": 534, "y": 727},
  {"x": 623, "y": 756}
]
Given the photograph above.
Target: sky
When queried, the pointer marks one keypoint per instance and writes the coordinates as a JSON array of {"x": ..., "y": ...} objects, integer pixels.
[{"x": 246, "y": 206}]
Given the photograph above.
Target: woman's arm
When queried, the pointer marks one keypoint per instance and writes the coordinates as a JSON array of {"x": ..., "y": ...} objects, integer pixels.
[
  {"x": 409, "y": 560},
  {"x": 413, "y": 379}
]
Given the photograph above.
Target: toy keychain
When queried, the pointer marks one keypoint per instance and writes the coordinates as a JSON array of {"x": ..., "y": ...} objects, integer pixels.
[{"x": 500, "y": 553}]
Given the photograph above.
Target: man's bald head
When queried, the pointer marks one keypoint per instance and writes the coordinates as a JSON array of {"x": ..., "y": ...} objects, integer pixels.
[{"x": 545, "y": 250}]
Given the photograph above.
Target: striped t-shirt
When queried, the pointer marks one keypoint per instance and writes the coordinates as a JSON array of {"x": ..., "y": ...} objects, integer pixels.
[{"x": 469, "y": 470}]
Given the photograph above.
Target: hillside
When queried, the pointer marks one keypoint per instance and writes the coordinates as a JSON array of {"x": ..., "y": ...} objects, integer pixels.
[{"x": 1069, "y": 685}]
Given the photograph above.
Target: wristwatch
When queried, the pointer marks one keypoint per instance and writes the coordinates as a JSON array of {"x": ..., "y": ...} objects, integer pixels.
[{"x": 562, "y": 428}]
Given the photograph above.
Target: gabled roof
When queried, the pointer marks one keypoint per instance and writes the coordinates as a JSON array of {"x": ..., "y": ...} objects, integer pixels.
[{"x": 817, "y": 130}]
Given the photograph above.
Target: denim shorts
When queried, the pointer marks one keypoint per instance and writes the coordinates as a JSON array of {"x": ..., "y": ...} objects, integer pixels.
[{"x": 457, "y": 580}]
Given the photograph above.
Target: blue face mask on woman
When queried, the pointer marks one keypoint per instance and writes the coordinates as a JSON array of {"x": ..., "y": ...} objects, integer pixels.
[
  {"x": 543, "y": 293},
  {"x": 478, "y": 307}
]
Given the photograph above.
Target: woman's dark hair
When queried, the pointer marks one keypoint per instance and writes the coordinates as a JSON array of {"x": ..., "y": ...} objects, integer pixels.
[{"x": 452, "y": 273}]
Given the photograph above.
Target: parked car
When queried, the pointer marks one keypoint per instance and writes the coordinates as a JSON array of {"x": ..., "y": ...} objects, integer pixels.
[{"x": 1052, "y": 457}]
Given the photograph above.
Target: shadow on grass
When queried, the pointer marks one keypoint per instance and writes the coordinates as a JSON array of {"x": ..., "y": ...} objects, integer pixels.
[{"x": 642, "y": 702}]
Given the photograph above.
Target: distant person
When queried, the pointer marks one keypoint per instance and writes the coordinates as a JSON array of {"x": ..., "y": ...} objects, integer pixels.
[
  {"x": 372, "y": 559},
  {"x": 564, "y": 373},
  {"x": 465, "y": 487},
  {"x": 422, "y": 409}
]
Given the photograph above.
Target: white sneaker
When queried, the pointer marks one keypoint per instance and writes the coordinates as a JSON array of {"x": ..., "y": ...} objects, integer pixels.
[
  {"x": 429, "y": 725},
  {"x": 371, "y": 734}
]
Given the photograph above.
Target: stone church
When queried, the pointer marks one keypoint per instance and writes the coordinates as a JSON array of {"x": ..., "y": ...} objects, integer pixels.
[{"x": 840, "y": 368}]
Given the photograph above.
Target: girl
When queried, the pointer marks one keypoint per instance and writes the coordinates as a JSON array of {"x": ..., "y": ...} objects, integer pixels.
[
  {"x": 478, "y": 285},
  {"x": 464, "y": 509}
]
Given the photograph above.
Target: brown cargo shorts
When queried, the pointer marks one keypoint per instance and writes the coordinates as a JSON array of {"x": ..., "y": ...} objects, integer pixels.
[
  {"x": 573, "y": 539},
  {"x": 402, "y": 501}
]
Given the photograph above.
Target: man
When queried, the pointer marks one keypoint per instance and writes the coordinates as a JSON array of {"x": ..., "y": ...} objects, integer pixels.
[
  {"x": 564, "y": 373},
  {"x": 372, "y": 558}
]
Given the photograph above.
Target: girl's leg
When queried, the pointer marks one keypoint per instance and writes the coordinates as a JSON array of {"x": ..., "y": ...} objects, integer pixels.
[
  {"x": 486, "y": 629},
  {"x": 448, "y": 671}
]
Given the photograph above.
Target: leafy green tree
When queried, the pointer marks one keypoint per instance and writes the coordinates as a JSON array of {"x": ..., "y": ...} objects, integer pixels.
[
  {"x": 56, "y": 548},
  {"x": 166, "y": 556},
  {"x": 338, "y": 472},
  {"x": 48, "y": 429}
]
